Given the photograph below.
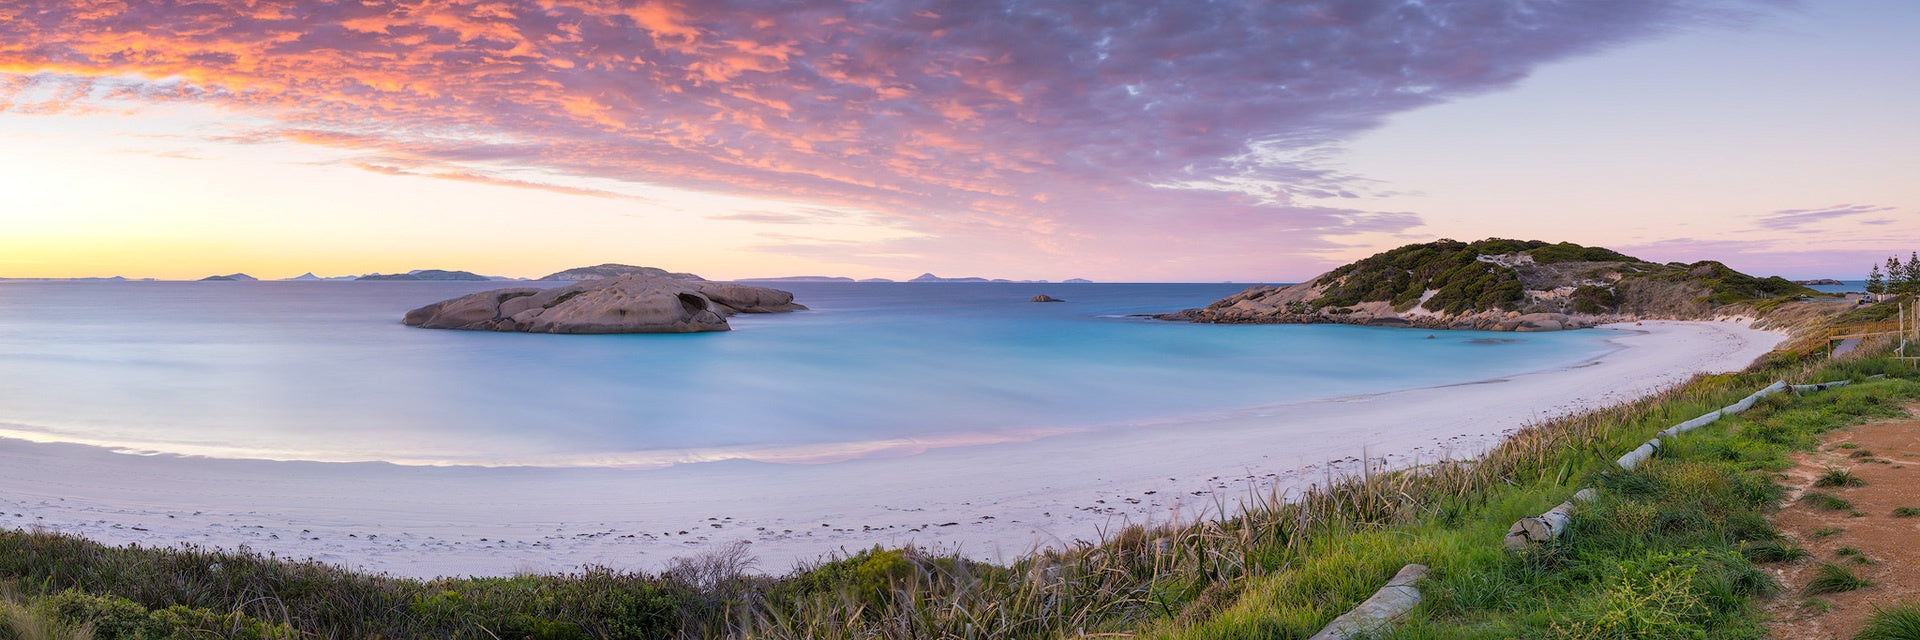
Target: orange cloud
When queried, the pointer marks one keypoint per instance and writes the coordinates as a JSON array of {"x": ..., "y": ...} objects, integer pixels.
[{"x": 985, "y": 121}]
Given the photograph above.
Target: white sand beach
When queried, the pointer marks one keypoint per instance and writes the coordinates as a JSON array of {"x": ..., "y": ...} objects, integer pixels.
[{"x": 992, "y": 502}]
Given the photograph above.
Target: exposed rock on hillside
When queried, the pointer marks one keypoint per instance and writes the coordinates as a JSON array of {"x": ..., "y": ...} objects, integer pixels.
[
  {"x": 624, "y": 304},
  {"x": 1502, "y": 285}
]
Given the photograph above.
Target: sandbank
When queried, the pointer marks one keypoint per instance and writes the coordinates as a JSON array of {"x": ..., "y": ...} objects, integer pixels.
[{"x": 992, "y": 502}]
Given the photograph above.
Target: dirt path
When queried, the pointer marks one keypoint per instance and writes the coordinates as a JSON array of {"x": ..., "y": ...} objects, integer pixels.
[{"x": 1867, "y": 538}]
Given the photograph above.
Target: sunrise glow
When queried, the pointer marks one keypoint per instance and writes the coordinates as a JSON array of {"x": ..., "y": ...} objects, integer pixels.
[{"x": 1137, "y": 141}]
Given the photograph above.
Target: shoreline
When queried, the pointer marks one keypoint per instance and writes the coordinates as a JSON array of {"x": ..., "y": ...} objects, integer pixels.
[{"x": 992, "y": 502}]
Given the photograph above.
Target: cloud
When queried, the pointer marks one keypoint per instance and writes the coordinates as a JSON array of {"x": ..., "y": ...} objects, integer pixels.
[
  {"x": 1793, "y": 219},
  {"x": 1030, "y": 128},
  {"x": 1792, "y": 259}
]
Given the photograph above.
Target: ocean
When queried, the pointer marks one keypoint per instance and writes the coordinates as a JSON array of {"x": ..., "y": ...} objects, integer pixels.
[{"x": 324, "y": 371}]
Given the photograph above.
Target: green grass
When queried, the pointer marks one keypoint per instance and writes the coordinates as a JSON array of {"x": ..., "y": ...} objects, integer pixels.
[
  {"x": 1837, "y": 477},
  {"x": 1825, "y": 501},
  {"x": 1833, "y": 578},
  {"x": 1773, "y": 550},
  {"x": 1898, "y": 622},
  {"x": 1667, "y": 551},
  {"x": 1906, "y": 512}
]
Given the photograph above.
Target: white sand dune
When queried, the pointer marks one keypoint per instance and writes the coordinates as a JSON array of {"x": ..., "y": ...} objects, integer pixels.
[{"x": 992, "y": 502}]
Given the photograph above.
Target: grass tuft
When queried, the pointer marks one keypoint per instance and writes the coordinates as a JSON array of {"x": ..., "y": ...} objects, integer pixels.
[
  {"x": 1833, "y": 578},
  {"x": 1773, "y": 550},
  {"x": 1837, "y": 477},
  {"x": 1825, "y": 501},
  {"x": 1898, "y": 622}
]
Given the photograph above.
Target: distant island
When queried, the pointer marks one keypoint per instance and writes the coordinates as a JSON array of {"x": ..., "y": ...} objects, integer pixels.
[
  {"x": 610, "y": 270},
  {"x": 798, "y": 279},
  {"x": 1819, "y": 282},
  {"x": 928, "y": 277},
  {"x": 428, "y": 274},
  {"x": 597, "y": 272},
  {"x": 1503, "y": 285}
]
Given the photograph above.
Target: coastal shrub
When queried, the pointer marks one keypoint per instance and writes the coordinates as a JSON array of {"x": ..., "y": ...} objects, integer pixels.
[
  {"x": 115, "y": 618},
  {"x": 1402, "y": 275},
  {"x": 1592, "y": 299},
  {"x": 1570, "y": 252},
  {"x": 868, "y": 576},
  {"x": 1729, "y": 286},
  {"x": 1652, "y": 596},
  {"x": 21, "y": 621}
]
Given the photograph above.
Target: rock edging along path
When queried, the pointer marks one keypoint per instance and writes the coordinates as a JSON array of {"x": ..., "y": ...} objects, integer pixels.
[
  {"x": 1400, "y": 595},
  {"x": 1549, "y": 525}
]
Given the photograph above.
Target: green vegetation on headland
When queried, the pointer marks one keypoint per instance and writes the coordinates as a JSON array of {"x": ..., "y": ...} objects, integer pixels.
[
  {"x": 1505, "y": 285},
  {"x": 1670, "y": 549}
]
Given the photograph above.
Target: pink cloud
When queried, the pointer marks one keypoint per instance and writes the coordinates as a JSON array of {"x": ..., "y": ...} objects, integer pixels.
[{"x": 990, "y": 128}]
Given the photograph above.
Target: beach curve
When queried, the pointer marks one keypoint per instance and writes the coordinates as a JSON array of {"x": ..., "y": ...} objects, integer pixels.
[{"x": 994, "y": 502}]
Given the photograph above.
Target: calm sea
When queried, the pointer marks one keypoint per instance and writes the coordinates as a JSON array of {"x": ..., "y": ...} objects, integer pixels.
[{"x": 325, "y": 371}]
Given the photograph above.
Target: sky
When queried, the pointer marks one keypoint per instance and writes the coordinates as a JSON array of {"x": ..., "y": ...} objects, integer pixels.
[{"x": 1144, "y": 140}]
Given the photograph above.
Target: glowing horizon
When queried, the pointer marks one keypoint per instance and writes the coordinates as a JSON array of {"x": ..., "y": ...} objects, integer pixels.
[{"x": 1137, "y": 141}]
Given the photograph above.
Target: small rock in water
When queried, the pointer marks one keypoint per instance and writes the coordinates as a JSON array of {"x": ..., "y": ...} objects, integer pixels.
[{"x": 1046, "y": 298}]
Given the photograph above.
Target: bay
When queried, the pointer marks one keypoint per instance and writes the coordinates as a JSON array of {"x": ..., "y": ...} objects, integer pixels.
[{"x": 324, "y": 371}]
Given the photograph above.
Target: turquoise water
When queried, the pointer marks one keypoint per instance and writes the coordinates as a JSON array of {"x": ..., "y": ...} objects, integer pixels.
[{"x": 324, "y": 371}]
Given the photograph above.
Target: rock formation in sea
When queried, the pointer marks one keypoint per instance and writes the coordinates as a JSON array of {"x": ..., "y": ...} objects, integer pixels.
[
  {"x": 1046, "y": 298},
  {"x": 632, "y": 303},
  {"x": 1503, "y": 285}
]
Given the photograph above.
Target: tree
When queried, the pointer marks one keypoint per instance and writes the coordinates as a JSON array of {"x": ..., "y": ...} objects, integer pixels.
[
  {"x": 1910, "y": 274},
  {"x": 1876, "y": 283},
  {"x": 1896, "y": 276}
]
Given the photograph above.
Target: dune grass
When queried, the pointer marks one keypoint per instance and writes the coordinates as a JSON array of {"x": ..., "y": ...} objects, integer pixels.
[{"x": 1667, "y": 551}]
